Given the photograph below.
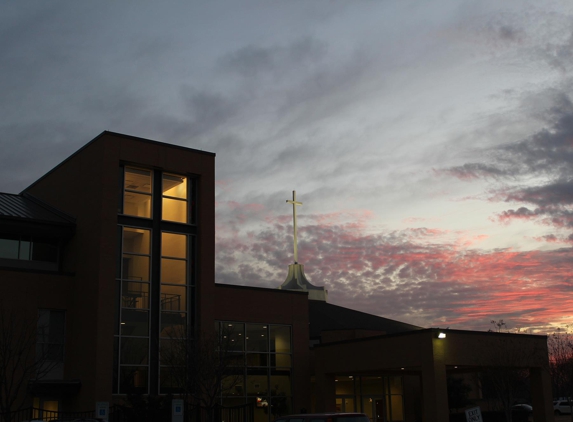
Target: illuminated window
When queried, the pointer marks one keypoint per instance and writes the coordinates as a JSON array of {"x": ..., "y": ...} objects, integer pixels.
[
  {"x": 132, "y": 325},
  {"x": 175, "y": 198},
  {"x": 137, "y": 192},
  {"x": 262, "y": 364}
]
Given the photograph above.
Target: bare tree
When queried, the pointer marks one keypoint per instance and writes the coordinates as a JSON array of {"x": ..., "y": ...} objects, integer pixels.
[
  {"x": 204, "y": 369},
  {"x": 505, "y": 377},
  {"x": 560, "y": 345},
  {"x": 21, "y": 361}
]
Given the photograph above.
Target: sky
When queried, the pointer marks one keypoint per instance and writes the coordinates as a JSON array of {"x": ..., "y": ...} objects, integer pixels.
[{"x": 431, "y": 143}]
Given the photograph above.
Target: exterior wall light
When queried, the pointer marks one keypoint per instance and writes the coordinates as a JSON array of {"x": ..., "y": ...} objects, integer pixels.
[{"x": 441, "y": 334}]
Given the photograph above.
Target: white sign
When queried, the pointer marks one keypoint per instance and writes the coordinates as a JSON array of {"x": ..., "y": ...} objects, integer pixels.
[
  {"x": 177, "y": 409},
  {"x": 102, "y": 410},
  {"x": 473, "y": 415}
]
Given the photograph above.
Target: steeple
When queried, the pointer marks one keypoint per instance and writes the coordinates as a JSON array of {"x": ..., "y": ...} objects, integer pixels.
[{"x": 296, "y": 280}]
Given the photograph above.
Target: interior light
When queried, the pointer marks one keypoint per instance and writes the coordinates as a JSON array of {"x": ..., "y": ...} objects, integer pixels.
[{"x": 441, "y": 335}]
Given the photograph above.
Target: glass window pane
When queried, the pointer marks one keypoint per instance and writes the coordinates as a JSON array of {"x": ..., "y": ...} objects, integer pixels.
[
  {"x": 344, "y": 385},
  {"x": 175, "y": 210},
  {"x": 173, "y": 325},
  {"x": 173, "y": 298},
  {"x": 136, "y": 240},
  {"x": 135, "y": 267},
  {"x": 395, "y": 385},
  {"x": 235, "y": 359},
  {"x": 233, "y": 385},
  {"x": 232, "y": 336},
  {"x": 137, "y": 204},
  {"x": 281, "y": 360},
  {"x": 134, "y": 323},
  {"x": 9, "y": 246},
  {"x": 174, "y": 245},
  {"x": 133, "y": 379},
  {"x": 171, "y": 380},
  {"x": 257, "y": 359},
  {"x": 173, "y": 351},
  {"x": 257, "y": 382},
  {"x": 280, "y": 382},
  {"x": 134, "y": 350},
  {"x": 372, "y": 385},
  {"x": 25, "y": 250},
  {"x": 44, "y": 250},
  {"x": 173, "y": 271},
  {"x": 137, "y": 179},
  {"x": 257, "y": 337},
  {"x": 175, "y": 186},
  {"x": 280, "y": 339},
  {"x": 397, "y": 408},
  {"x": 135, "y": 295}
]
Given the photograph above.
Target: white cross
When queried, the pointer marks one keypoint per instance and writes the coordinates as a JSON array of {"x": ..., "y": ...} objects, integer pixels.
[{"x": 294, "y": 204}]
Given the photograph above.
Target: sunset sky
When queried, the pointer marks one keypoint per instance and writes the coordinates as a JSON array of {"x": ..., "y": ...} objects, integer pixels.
[{"x": 431, "y": 142}]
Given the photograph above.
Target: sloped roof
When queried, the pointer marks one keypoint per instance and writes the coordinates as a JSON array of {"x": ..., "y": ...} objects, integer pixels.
[
  {"x": 324, "y": 316},
  {"x": 27, "y": 209}
]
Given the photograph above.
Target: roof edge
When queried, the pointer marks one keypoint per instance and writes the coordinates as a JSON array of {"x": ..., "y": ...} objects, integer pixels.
[{"x": 121, "y": 135}]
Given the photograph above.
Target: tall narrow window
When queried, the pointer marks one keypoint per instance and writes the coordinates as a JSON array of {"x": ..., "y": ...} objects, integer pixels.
[
  {"x": 132, "y": 335},
  {"x": 50, "y": 343},
  {"x": 175, "y": 197},
  {"x": 137, "y": 192},
  {"x": 173, "y": 304}
]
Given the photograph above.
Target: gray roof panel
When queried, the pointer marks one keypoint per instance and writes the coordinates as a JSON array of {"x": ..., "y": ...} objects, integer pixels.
[{"x": 24, "y": 208}]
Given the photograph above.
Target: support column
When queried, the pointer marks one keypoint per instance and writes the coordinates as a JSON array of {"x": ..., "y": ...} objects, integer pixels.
[
  {"x": 541, "y": 393},
  {"x": 434, "y": 382},
  {"x": 325, "y": 393}
]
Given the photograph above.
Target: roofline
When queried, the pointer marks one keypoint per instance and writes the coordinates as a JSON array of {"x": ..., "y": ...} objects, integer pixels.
[
  {"x": 121, "y": 135},
  {"x": 269, "y": 289},
  {"x": 431, "y": 330},
  {"x": 70, "y": 218}
]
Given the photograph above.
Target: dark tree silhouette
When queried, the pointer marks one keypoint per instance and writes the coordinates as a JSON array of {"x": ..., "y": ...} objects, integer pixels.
[{"x": 21, "y": 358}]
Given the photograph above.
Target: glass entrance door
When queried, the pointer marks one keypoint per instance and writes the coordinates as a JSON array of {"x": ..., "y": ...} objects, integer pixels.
[{"x": 345, "y": 404}]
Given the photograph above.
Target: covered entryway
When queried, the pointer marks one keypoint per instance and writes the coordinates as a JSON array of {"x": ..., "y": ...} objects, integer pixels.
[{"x": 428, "y": 357}]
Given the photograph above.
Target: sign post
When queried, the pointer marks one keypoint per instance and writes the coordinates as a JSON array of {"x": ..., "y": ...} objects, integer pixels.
[
  {"x": 102, "y": 410},
  {"x": 177, "y": 410}
]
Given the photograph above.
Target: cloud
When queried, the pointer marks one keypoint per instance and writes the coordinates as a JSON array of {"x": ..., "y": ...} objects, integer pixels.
[
  {"x": 411, "y": 275},
  {"x": 536, "y": 172}
]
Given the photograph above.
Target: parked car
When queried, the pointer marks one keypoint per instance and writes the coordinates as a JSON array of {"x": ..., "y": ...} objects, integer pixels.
[
  {"x": 562, "y": 407},
  {"x": 325, "y": 417}
]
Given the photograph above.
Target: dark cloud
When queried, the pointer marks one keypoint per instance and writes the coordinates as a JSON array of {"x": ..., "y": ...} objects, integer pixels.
[{"x": 536, "y": 172}]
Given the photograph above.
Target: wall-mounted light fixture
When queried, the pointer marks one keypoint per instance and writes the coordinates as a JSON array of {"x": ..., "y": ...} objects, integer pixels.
[{"x": 441, "y": 334}]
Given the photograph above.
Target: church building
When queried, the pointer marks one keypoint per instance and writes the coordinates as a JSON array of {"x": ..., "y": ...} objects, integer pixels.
[{"x": 110, "y": 256}]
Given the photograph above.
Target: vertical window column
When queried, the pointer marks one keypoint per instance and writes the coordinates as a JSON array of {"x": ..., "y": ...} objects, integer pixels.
[
  {"x": 132, "y": 337},
  {"x": 174, "y": 296}
]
